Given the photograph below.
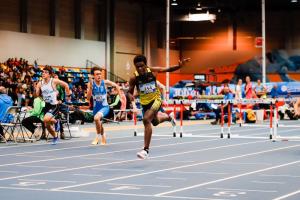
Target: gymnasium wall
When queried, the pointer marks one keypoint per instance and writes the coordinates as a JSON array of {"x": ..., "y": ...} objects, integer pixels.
[{"x": 51, "y": 50}]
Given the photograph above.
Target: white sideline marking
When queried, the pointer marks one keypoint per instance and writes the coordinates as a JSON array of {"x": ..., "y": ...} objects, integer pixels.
[
  {"x": 92, "y": 175},
  {"x": 13, "y": 172},
  {"x": 191, "y": 198},
  {"x": 173, "y": 161},
  {"x": 41, "y": 144},
  {"x": 130, "y": 170},
  {"x": 287, "y": 195},
  {"x": 280, "y": 175},
  {"x": 35, "y": 156},
  {"x": 67, "y": 148},
  {"x": 240, "y": 163},
  {"x": 159, "y": 186},
  {"x": 54, "y": 181},
  {"x": 227, "y": 178},
  {"x": 110, "y": 152},
  {"x": 171, "y": 178},
  {"x": 268, "y": 182},
  {"x": 213, "y": 173},
  {"x": 238, "y": 189},
  {"x": 179, "y": 167},
  {"x": 65, "y": 142},
  {"x": 101, "y": 159},
  {"x": 73, "y": 191},
  {"x": 41, "y": 166}
]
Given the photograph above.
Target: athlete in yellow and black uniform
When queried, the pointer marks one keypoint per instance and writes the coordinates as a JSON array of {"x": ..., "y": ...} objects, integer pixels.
[{"x": 150, "y": 97}]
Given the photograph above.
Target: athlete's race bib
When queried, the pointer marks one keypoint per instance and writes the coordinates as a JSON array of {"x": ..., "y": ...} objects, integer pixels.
[
  {"x": 147, "y": 88},
  {"x": 98, "y": 98}
]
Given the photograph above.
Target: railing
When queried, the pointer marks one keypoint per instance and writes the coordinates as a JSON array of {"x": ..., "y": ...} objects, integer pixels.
[{"x": 108, "y": 75}]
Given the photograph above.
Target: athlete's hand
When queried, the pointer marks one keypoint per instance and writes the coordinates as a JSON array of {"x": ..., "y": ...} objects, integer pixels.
[{"x": 181, "y": 62}]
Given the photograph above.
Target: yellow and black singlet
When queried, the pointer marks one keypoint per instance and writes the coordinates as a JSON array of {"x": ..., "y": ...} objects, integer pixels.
[{"x": 147, "y": 87}]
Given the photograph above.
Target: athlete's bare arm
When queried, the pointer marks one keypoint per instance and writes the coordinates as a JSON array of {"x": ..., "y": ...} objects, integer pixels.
[
  {"x": 113, "y": 84},
  {"x": 63, "y": 84},
  {"x": 131, "y": 91},
  {"x": 172, "y": 68},
  {"x": 89, "y": 91}
]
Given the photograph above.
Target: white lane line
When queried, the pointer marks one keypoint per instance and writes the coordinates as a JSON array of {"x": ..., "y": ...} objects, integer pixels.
[
  {"x": 179, "y": 167},
  {"x": 227, "y": 178},
  {"x": 69, "y": 148},
  {"x": 54, "y": 181},
  {"x": 35, "y": 156},
  {"x": 104, "y": 193},
  {"x": 268, "y": 182},
  {"x": 213, "y": 173},
  {"x": 114, "y": 169},
  {"x": 239, "y": 189},
  {"x": 65, "y": 142},
  {"x": 280, "y": 175},
  {"x": 42, "y": 144},
  {"x": 171, "y": 178},
  {"x": 287, "y": 195},
  {"x": 42, "y": 166},
  {"x": 12, "y": 172},
  {"x": 241, "y": 163},
  {"x": 100, "y": 158},
  {"x": 171, "y": 161},
  {"x": 91, "y": 175},
  {"x": 105, "y": 153},
  {"x": 191, "y": 198},
  {"x": 134, "y": 160},
  {"x": 139, "y": 185}
]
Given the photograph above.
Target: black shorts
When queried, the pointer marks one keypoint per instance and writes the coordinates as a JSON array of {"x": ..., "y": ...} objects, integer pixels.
[
  {"x": 155, "y": 105},
  {"x": 50, "y": 109}
]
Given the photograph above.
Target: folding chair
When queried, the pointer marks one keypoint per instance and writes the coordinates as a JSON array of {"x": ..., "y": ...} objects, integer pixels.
[
  {"x": 10, "y": 122},
  {"x": 64, "y": 116}
]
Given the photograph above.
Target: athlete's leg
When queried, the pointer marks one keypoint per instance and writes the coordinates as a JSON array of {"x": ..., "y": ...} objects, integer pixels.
[
  {"x": 148, "y": 117},
  {"x": 98, "y": 118}
]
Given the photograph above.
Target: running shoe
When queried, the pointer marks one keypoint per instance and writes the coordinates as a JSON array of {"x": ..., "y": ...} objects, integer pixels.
[
  {"x": 142, "y": 154},
  {"x": 95, "y": 141},
  {"x": 54, "y": 141},
  {"x": 173, "y": 119}
]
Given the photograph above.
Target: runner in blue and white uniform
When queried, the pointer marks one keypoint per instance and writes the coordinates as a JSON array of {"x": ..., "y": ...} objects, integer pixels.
[{"x": 97, "y": 88}]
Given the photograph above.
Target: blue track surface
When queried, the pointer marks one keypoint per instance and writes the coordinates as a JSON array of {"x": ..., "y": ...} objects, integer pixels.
[{"x": 192, "y": 167}]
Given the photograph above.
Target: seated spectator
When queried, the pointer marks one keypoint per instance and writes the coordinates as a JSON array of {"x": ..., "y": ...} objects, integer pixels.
[
  {"x": 115, "y": 102},
  {"x": 260, "y": 90},
  {"x": 36, "y": 116},
  {"x": 274, "y": 92},
  {"x": 228, "y": 95},
  {"x": 5, "y": 103}
]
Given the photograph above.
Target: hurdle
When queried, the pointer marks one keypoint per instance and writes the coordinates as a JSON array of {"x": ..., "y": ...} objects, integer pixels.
[{"x": 278, "y": 125}]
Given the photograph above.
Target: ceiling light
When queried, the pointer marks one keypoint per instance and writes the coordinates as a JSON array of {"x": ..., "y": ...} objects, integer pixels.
[
  {"x": 198, "y": 6},
  {"x": 294, "y": 1},
  {"x": 199, "y": 17},
  {"x": 174, "y": 3}
]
